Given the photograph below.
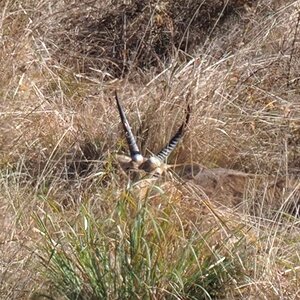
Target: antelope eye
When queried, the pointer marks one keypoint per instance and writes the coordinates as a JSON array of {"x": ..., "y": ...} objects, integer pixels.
[{"x": 156, "y": 174}]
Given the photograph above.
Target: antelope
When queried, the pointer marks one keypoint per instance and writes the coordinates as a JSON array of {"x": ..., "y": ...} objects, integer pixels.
[
  {"x": 154, "y": 165},
  {"x": 224, "y": 185},
  {"x": 210, "y": 180}
]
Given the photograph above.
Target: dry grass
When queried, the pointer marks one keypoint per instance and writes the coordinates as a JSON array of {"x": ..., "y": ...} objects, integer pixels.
[{"x": 59, "y": 66}]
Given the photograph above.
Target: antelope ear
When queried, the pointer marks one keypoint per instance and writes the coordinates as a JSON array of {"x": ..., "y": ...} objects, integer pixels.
[{"x": 123, "y": 159}]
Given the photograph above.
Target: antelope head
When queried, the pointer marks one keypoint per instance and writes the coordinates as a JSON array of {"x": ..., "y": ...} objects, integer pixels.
[{"x": 155, "y": 164}]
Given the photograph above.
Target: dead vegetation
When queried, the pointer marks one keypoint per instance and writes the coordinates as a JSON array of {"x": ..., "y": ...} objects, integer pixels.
[
  {"x": 235, "y": 62},
  {"x": 127, "y": 36}
]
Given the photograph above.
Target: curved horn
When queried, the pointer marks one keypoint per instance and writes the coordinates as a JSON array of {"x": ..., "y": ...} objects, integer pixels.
[
  {"x": 133, "y": 147},
  {"x": 166, "y": 151}
]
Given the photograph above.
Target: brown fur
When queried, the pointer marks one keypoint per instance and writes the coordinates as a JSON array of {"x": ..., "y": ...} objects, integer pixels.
[{"x": 225, "y": 187}]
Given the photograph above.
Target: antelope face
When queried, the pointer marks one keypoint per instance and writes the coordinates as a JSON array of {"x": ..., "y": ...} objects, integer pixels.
[
  {"x": 136, "y": 162},
  {"x": 151, "y": 166}
]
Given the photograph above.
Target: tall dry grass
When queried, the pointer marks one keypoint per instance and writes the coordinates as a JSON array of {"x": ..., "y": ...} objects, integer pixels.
[{"x": 237, "y": 65}]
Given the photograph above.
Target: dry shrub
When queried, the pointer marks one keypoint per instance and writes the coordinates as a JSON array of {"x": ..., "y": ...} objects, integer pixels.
[
  {"x": 114, "y": 38},
  {"x": 236, "y": 63},
  {"x": 246, "y": 102},
  {"x": 235, "y": 86}
]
